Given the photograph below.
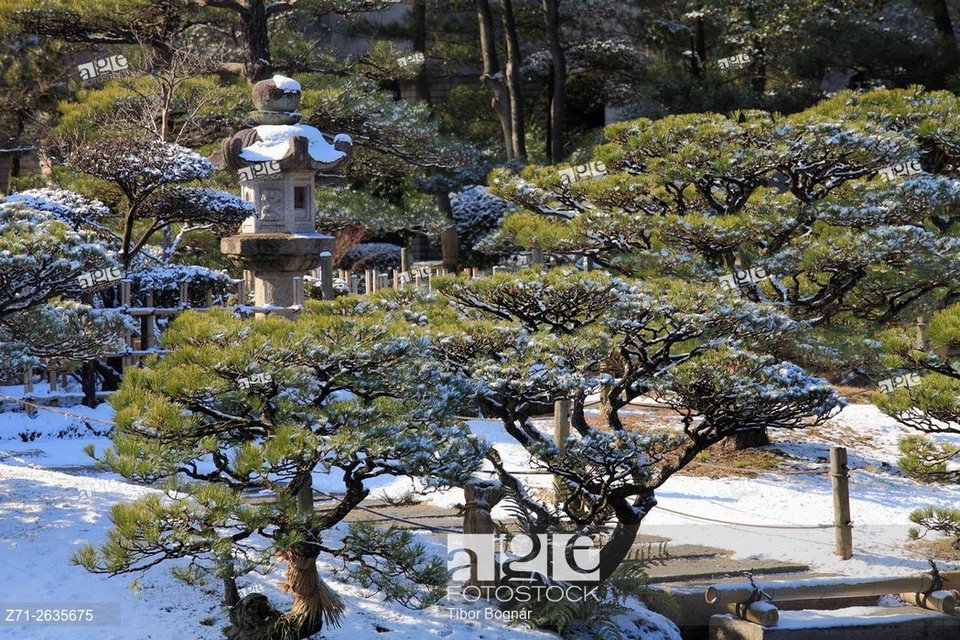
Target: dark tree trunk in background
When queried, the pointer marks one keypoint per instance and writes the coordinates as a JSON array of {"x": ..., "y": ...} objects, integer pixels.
[
  {"x": 558, "y": 82},
  {"x": 492, "y": 75},
  {"x": 6, "y": 171},
  {"x": 699, "y": 38},
  {"x": 449, "y": 245},
  {"x": 518, "y": 129},
  {"x": 758, "y": 66},
  {"x": 944, "y": 26},
  {"x": 88, "y": 383},
  {"x": 254, "y": 23},
  {"x": 748, "y": 439},
  {"x": 421, "y": 85}
]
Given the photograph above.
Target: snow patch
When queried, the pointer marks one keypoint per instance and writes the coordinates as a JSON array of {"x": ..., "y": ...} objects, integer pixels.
[
  {"x": 274, "y": 143},
  {"x": 285, "y": 84}
]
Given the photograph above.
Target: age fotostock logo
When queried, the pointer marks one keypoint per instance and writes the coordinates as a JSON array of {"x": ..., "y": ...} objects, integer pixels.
[{"x": 511, "y": 564}]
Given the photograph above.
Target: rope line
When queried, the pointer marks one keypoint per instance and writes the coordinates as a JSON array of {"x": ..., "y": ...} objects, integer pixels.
[
  {"x": 52, "y": 410},
  {"x": 743, "y": 524},
  {"x": 394, "y": 518}
]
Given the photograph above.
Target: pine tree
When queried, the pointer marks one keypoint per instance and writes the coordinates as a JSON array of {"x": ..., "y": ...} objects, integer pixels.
[
  {"x": 802, "y": 212},
  {"x": 926, "y": 398},
  {"x": 527, "y": 340},
  {"x": 238, "y": 407}
]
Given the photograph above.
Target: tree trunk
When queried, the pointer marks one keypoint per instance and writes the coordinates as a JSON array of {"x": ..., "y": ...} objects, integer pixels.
[
  {"x": 616, "y": 548},
  {"x": 448, "y": 239},
  {"x": 231, "y": 595},
  {"x": 314, "y": 603},
  {"x": 699, "y": 59},
  {"x": 88, "y": 383},
  {"x": 558, "y": 88},
  {"x": 747, "y": 439},
  {"x": 518, "y": 129},
  {"x": 449, "y": 243},
  {"x": 6, "y": 171},
  {"x": 257, "y": 39},
  {"x": 944, "y": 26},
  {"x": 480, "y": 498},
  {"x": 421, "y": 84},
  {"x": 758, "y": 79},
  {"x": 492, "y": 76}
]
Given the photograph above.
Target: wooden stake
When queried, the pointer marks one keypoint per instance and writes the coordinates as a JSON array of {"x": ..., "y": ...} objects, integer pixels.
[
  {"x": 28, "y": 380},
  {"x": 839, "y": 479},
  {"x": 125, "y": 296},
  {"x": 326, "y": 276},
  {"x": 561, "y": 431}
]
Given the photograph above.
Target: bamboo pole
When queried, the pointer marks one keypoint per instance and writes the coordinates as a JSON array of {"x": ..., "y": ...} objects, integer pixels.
[
  {"x": 942, "y": 601},
  {"x": 839, "y": 479},
  {"x": 827, "y": 588},
  {"x": 762, "y": 613}
]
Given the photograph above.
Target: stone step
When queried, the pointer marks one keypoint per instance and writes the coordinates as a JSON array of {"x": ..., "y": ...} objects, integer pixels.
[
  {"x": 688, "y": 570},
  {"x": 666, "y": 552}
]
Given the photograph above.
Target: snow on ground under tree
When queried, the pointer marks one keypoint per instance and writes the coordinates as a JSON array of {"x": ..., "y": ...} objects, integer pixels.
[{"x": 52, "y": 501}]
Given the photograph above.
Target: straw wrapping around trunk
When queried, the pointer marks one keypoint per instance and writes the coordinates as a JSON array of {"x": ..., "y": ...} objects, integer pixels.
[{"x": 313, "y": 599}]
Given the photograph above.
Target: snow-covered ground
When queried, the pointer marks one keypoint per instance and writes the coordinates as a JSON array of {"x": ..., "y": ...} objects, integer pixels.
[{"x": 52, "y": 501}]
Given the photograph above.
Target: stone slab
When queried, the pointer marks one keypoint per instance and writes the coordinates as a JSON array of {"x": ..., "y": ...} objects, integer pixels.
[{"x": 856, "y": 623}]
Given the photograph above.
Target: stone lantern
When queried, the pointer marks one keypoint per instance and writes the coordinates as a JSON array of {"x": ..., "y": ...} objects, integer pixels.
[{"x": 277, "y": 161}]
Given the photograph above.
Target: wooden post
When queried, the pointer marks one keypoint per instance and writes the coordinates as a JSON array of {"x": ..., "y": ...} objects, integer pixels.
[
  {"x": 536, "y": 256},
  {"x": 587, "y": 263},
  {"x": 354, "y": 283},
  {"x": 125, "y": 296},
  {"x": 184, "y": 295},
  {"x": 396, "y": 279},
  {"x": 404, "y": 259},
  {"x": 249, "y": 283},
  {"x": 208, "y": 298},
  {"x": 52, "y": 379},
  {"x": 839, "y": 480},
  {"x": 242, "y": 292},
  {"x": 450, "y": 249},
  {"x": 28, "y": 389},
  {"x": 298, "y": 295},
  {"x": 326, "y": 275},
  {"x": 561, "y": 431},
  {"x": 368, "y": 281},
  {"x": 147, "y": 333}
]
